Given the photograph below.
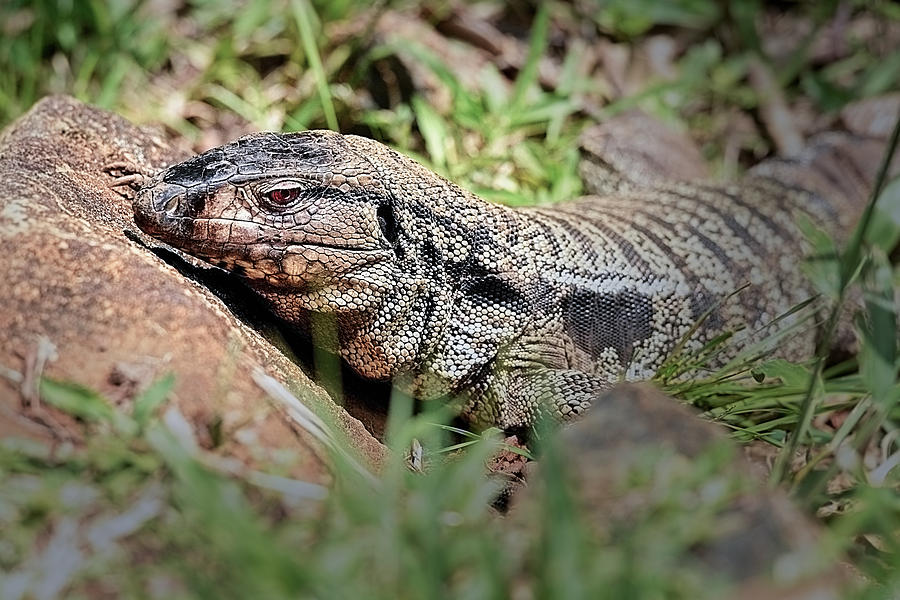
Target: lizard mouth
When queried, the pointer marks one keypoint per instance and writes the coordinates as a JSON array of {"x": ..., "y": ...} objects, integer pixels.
[
  {"x": 250, "y": 251},
  {"x": 293, "y": 265}
]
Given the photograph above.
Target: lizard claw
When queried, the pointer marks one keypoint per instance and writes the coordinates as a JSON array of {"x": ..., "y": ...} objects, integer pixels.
[
  {"x": 125, "y": 174},
  {"x": 132, "y": 180}
]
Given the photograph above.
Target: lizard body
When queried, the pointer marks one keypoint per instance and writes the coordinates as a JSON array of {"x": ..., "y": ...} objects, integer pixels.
[{"x": 509, "y": 310}]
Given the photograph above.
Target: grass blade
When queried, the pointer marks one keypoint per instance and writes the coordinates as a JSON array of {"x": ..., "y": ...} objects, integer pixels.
[
  {"x": 850, "y": 262},
  {"x": 303, "y": 14},
  {"x": 538, "y": 43}
]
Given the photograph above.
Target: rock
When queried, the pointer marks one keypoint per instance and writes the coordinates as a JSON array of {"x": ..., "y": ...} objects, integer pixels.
[
  {"x": 79, "y": 274},
  {"x": 635, "y": 455}
]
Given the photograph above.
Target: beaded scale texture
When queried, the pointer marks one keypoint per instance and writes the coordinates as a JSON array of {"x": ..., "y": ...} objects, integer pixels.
[{"x": 512, "y": 311}]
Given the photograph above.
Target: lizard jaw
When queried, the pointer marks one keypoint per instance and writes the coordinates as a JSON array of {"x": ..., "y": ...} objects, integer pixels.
[{"x": 295, "y": 266}]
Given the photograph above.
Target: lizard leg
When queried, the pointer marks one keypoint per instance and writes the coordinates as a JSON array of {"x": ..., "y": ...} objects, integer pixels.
[{"x": 561, "y": 394}]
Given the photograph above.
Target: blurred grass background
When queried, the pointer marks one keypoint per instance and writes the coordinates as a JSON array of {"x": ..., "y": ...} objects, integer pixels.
[
  {"x": 491, "y": 94},
  {"x": 494, "y": 96}
]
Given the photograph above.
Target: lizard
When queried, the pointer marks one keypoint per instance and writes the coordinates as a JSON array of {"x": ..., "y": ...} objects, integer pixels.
[{"x": 518, "y": 312}]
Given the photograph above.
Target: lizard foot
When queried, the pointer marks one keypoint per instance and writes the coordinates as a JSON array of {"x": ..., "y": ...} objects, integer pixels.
[{"x": 127, "y": 177}]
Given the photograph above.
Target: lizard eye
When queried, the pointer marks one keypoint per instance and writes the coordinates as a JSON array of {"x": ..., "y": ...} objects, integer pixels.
[{"x": 283, "y": 196}]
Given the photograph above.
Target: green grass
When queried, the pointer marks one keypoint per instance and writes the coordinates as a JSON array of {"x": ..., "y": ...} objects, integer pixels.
[
  {"x": 225, "y": 68},
  {"x": 273, "y": 65},
  {"x": 187, "y": 527}
]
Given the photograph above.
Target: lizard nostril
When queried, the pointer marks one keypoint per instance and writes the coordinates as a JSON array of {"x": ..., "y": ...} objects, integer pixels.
[
  {"x": 171, "y": 205},
  {"x": 167, "y": 200}
]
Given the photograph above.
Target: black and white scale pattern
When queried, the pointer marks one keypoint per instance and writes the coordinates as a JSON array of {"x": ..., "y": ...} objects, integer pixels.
[{"x": 512, "y": 311}]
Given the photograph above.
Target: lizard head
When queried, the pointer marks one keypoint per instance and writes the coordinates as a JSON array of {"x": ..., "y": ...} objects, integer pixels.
[
  {"x": 294, "y": 212},
  {"x": 320, "y": 222}
]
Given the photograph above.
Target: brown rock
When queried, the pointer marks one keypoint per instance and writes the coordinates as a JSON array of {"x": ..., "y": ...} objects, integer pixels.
[
  {"x": 636, "y": 445},
  {"x": 76, "y": 273}
]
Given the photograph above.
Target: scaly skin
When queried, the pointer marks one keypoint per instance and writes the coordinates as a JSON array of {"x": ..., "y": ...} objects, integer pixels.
[{"x": 511, "y": 311}]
